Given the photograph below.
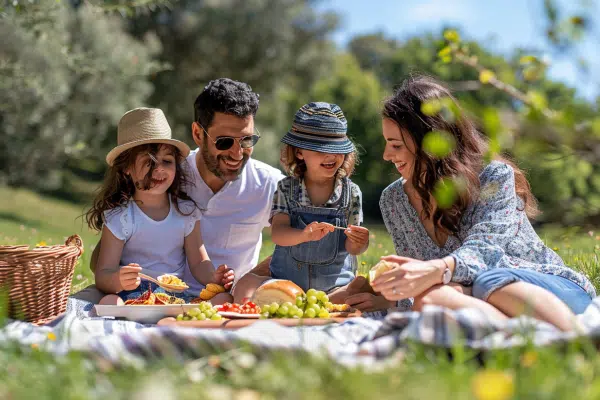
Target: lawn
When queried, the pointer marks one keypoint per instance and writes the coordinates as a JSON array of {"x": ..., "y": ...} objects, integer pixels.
[{"x": 420, "y": 374}]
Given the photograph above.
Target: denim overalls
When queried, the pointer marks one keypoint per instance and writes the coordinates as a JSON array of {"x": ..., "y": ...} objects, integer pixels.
[{"x": 321, "y": 265}]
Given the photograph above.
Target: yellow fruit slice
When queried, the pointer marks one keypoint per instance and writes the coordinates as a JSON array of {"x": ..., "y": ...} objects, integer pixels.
[
  {"x": 213, "y": 287},
  {"x": 207, "y": 294}
]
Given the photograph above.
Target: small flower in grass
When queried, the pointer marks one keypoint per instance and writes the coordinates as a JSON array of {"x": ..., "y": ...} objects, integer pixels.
[
  {"x": 379, "y": 246},
  {"x": 79, "y": 277},
  {"x": 247, "y": 394},
  {"x": 597, "y": 237},
  {"x": 529, "y": 358},
  {"x": 42, "y": 243},
  {"x": 35, "y": 346},
  {"x": 363, "y": 263},
  {"x": 51, "y": 336},
  {"x": 214, "y": 361},
  {"x": 591, "y": 233},
  {"x": 493, "y": 385},
  {"x": 372, "y": 236},
  {"x": 555, "y": 248},
  {"x": 246, "y": 360}
]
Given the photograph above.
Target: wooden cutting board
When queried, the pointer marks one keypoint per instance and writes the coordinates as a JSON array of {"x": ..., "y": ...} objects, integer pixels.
[{"x": 242, "y": 323}]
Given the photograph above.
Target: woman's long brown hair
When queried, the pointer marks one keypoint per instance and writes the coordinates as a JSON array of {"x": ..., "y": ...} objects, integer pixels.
[
  {"x": 118, "y": 187},
  {"x": 465, "y": 161}
]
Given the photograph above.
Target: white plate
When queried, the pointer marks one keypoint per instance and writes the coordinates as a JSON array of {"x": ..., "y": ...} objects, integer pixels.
[
  {"x": 234, "y": 315},
  {"x": 148, "y": 314}
]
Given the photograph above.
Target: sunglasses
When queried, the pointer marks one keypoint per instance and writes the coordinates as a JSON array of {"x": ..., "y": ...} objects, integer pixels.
[{"x": 226, "y": 142}]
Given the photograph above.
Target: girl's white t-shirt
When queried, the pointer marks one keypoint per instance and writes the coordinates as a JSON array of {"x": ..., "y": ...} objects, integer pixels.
[{"x": 157, "y": 246}]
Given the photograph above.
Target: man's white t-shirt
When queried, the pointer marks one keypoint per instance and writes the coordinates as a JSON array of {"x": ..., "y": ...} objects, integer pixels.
[{"x": 234, "y": 217}]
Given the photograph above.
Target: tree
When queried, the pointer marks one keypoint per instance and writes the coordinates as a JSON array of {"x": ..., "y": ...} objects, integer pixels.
[
  {"x": 275, "y": 46},
  {"x": 67, "y": 77}
]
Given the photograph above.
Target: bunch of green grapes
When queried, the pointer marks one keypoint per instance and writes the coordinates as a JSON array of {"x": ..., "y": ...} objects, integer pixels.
[
  {"x": 204, "y": 311},
  {"x": 314, "y": 304}
]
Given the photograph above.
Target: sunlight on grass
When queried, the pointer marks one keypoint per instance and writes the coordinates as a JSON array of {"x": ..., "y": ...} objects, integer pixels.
[{"x": 419, "y": 372}]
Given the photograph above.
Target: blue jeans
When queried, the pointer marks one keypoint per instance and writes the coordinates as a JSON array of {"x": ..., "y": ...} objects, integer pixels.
[{"x": 569, "y": 292}]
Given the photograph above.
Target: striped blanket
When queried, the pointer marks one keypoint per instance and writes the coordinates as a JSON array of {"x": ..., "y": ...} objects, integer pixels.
[{"x": 356, "y": 341}]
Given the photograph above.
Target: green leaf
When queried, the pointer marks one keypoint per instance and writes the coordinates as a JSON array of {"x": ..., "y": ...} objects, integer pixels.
[
  {"x": 445, "y": 52},
  {"x": 485, "y": 76},
  {"x": 438, "y": 143},
  {"x": 528, "y": 59},
  {"x": 452, "y": 36},
  {"x": 533, "y": 72},
  {"x": 538, "y": 100},
  {"x": 431, "y": 107},
  {"x": 445, "y": 192},
  {"x": 596, "y": 127}
]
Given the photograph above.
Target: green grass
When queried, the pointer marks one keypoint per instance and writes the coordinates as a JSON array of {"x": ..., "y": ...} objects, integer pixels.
[{"x": 420, "y": 373}]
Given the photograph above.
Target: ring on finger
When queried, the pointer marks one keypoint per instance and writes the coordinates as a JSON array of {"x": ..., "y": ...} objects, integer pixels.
[{"x": 394, "y": 291}]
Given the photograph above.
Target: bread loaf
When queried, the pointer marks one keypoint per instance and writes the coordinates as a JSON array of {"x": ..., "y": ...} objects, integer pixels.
[
  {"x": 278, "y": 291},
  {"x": 379, "y": 268}
]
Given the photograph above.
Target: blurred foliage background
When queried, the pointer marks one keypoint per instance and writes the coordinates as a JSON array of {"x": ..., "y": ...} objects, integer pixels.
[{"x": 70, "y": 69}]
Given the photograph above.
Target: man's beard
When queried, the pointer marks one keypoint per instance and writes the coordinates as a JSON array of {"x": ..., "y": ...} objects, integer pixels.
[{"x": 213, "y": 165}]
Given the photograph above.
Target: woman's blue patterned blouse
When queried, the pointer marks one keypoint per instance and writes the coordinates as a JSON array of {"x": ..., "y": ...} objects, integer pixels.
[{"x": 494, "y": 232}]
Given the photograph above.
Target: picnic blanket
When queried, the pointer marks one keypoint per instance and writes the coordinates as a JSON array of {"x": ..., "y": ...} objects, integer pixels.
[{"x": 357, "y": 340}]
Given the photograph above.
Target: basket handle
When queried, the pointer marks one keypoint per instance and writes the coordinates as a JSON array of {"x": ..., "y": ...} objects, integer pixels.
[{"x": 75, "y": 241}]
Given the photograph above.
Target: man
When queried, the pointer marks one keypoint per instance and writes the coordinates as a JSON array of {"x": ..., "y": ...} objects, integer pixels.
[{"x": 234, "y": 191}]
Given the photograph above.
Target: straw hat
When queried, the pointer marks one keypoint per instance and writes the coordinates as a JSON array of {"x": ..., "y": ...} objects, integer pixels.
[{"x": 143, "y": 126}]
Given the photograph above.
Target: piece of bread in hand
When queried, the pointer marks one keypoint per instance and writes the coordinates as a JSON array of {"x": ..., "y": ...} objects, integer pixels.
[
  {"x": 379, "y": 268},
  {"x": 278, "y": 291}
]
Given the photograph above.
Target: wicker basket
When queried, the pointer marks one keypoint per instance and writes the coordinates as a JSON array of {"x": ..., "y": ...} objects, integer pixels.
[{"x": 38, "y": 280}]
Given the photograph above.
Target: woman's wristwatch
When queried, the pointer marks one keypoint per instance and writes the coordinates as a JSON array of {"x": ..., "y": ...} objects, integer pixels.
[{"x": 447, "y": 275}]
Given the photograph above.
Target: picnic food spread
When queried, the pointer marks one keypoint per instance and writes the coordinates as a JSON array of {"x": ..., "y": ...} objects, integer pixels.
[
  {"x": 149, "y": 298},
  {"x": 171, "y": 280},
  {"x": 246, "y": 308},
  {"x": 204, "y": 311},
  {"x": 277, "y": 290}
]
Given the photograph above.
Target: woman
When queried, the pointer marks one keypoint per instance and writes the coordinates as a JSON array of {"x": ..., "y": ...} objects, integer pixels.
[{"x": 483, "y": 245}]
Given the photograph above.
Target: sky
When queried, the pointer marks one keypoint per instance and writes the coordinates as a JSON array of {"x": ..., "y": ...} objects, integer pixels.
[{"x": 502, "y": 25}]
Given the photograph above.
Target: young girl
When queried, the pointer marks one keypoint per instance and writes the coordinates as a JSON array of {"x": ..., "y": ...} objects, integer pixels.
[
  {"x": 316, "y": 212},
  {"x": 148, "y": 223}
]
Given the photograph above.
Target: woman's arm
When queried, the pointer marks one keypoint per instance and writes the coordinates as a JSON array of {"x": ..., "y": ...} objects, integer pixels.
[
  {"x": 201, "y": 266},
  {"x": 494, "y": 223},
  {"x": 108, "y": 269}
]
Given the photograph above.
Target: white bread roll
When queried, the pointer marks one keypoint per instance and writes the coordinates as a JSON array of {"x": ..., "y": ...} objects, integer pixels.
[
  {"x": 379, "y": 268},
  {"x": 278, "y": 291}
]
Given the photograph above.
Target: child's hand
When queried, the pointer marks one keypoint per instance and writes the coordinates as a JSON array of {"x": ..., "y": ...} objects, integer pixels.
[
  {"x": 358, "y": 235},
  {"x": 129, "y": 276},
  {"x": 224, "y": 276},
  {"x": 317, "y": 231}
]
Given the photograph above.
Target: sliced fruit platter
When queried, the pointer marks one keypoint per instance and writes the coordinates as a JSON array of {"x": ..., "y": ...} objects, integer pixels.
[{"x": 271, "y": 301}]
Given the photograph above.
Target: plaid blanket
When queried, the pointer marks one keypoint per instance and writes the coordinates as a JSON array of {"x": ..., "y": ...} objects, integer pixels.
[{"x": 358, "y": 340}]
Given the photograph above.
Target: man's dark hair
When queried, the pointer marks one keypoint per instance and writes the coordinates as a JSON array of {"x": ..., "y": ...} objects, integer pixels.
[{"x": 226, "y": 96}]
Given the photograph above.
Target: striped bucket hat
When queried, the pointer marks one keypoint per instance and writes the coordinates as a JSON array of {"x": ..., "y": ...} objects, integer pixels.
[{"x": 320, "y": 127}]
